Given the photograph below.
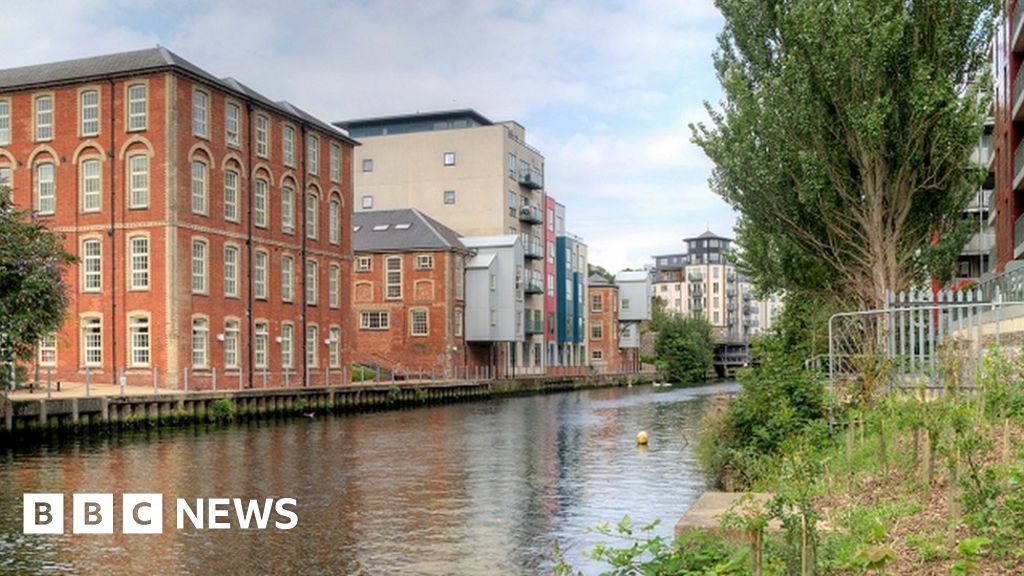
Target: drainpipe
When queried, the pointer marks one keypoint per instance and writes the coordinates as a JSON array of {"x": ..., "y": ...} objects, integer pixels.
[
  {"x": 112, "y": 154},
  {"x": 305, "y": 302},
  {"x": 250, "y": 320}
]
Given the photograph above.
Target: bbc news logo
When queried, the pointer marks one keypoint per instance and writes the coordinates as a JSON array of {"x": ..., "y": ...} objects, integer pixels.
[{"x": 93, "y": 513}]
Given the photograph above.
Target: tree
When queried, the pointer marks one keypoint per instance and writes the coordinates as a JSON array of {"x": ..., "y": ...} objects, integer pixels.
[
  {"x": 684, "y": 350},
  {"x": 845, "y": 136},
  {"x": 33, "y": 296},
  {"x": 600, "y": 271}
]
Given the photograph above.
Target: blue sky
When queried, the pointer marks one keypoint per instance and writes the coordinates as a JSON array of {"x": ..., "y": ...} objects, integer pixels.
[{"x": 604, "y": 89}]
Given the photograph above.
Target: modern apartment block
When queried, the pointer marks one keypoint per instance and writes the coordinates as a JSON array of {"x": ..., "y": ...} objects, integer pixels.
[
  {"x": 1007, "y": 210},
  {"x": 603, "y": 338},
  {"x": 702, "y": 282},
  {"x": 978, "y": 255},
  {"x": 409, "y": 294},
  {"x": 475, "y": 176},
  {"x": 634, "y": 309},
  {"x": 495, "y": 313},
  {"x": 212, "y": 224}
]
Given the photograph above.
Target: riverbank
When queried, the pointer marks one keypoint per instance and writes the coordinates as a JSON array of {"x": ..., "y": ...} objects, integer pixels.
[{"x": 35, "y": 417}]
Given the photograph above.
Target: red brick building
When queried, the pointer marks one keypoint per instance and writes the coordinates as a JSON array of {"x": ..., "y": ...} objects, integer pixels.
[
  {"x": 1007, "y": 209},
  {"x": 409, "y": 294},
  {"x": 603, "y": 337},
  {"x": 212, "y": 224}
]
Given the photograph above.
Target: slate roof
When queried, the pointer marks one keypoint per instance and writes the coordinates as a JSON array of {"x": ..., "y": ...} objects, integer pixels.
[
  {"x": 598, "y": 280},
  {"x": 422, "y": 233},
  {"x": 143, "y": 61}
]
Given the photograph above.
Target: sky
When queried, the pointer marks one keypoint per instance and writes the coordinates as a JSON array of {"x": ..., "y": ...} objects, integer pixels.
[{"x": 605, "y": 89}]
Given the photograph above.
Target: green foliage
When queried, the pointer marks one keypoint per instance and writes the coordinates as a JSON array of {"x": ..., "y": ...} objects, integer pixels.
[
  {"x": 394, "y": 394},
  {"x": 844, "y": 138},
  {"x": 33, "y": 296},
  {"x": 222, "y": 409},
  {"x": 694, "y": 554},
  {"x": 600, "y": 271},
  {"x": 684, "y": 348},
  {"x": 968, "y": 551},
  {"x": 780, "y": 404}
]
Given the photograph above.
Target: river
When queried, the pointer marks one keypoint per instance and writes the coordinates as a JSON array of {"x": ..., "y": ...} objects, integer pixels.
[{"x": 477, "y": 488}]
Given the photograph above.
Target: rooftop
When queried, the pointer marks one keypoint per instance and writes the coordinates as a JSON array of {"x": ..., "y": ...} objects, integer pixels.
[
  {"x": 401, "y": 230},
  {"x": 137, "y": 62},
  {"x": 418, "y": 122}
]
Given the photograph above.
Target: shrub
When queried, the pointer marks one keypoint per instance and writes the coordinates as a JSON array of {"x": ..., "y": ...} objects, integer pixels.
[{"x": 684, "y": 349}]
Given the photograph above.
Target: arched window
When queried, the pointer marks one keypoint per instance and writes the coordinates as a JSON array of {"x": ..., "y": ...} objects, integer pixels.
[
  {"x": 334, "y": 220},
  {"x": 312, "y": 211}
]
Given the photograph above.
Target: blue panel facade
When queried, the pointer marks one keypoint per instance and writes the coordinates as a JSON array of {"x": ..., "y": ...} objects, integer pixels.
[{"x": 568, "y": 293}]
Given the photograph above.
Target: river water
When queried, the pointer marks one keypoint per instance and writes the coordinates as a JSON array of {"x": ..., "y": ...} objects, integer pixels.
[{"x": 480, "y": 488}]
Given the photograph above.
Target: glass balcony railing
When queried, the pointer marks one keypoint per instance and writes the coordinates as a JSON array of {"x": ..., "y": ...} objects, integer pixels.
[{"x": 531, "y": 213}]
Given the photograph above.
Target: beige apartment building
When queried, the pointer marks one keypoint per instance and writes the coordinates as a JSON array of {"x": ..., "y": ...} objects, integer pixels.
[
  {"x": 702, "y": 282},
  {"x": 478, "y": 177}
]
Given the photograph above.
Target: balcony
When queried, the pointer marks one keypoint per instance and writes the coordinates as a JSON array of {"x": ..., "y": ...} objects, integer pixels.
[
  {"x": 1018, "y": 91},
  {"x": 532, "y": 247},
  {"x": 1018, "y": 163},
  {"x": 731, "y": 306},
  {"x": 530, "y": 178},
  {"x": 1015, "y": 32},
  {"x": 984, "y": 154},
  {"x": 751, "y": 323},
  {"x": 1018, "y": 236},
  {"x": 695, "y": 276},
  {"x": 532, "y": 323},
  {"x": 730, "y": 292},
  {"x": 747, "y": 296},
  {"x": 531, "y": 214},
  {"x": 697, "y": 306},
  {"x": 748, "y": 310},
  {"x": 980, "y": 243},
  {"x": 534, "y": 282},
  {"x": 730, "y": 277}
]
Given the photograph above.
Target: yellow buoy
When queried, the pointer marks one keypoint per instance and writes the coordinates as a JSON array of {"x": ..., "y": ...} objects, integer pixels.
[{"x": 641, "y": 438}]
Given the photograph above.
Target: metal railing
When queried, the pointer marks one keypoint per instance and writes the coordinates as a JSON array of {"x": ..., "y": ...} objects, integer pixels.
[{"x": 1018, "y": 161}]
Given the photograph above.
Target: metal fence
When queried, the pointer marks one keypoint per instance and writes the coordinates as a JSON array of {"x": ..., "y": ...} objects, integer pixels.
[{"x": 922, "y": 340}]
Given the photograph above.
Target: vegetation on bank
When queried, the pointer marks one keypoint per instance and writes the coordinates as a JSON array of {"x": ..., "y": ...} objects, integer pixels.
[
  {"x": 888, "y": 485},
  {"x": 684, "y": 349}
]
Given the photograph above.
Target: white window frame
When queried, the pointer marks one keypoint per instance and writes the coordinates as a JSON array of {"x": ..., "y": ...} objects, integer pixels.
[
  {"x": 367, "y": 202},
  {"x": 287, "y": 278},
  {"x": 459, "y": 321},
  {"x": 88, "y": 113},
  {"x": 312, "y": 216},
  {"x": 45, "y": 188},
  {"x": 231, "y": 180},
  {"x": 231, "y": 266},
  {"x": 232, "y": 341},
  {"x": 287, "y": 345},
  {"x": 334, "y": 346},
  {"x": 313, "y": 154},
  {"x": 288, "y": 145},
  {"x": 449, "y": 159},
  {"x": 233, "y": 124},
  {"x": 47, "y": 350},
  {"x": 137, "y": 121},
  {"x": 200, "y": 266},
  {"x": 260, "y": 344},
  {"x": 91, "y": 185},
  {"x": 5, "y": 122},
  {"x": 374, "y": 320},
  {"x": 200, "y": 342},
  {"x": 364, "y": 264},
  {"x": 334, "y": 220},
  {"x": 335, "y": 163},
  {"x": 312, "y": 282},
  {"x": 138, "y": 263},
  {"x": 92, "y": 265},
  {"x": 393, "y": 284},
  {"x": 262, "y": 135},
  {"x": 419, "y": 322},
  {"x": 334, "y": 286},
  {"x": 200, "y": 113},
  {"x": 138, "y": 181},
  {"x": 43, "y": 118},
  {"x": 200, "y": 187},
  {"x": 312, "y": 346},
  {"x": 259, "y": 202},
  {"x": 91, "y": 328},
  {"x": 424, "y": 261},
  {"x": 260, "y": 264},
  {"x": 139, "y": 355},
  {"x": 288, "y": 209}
]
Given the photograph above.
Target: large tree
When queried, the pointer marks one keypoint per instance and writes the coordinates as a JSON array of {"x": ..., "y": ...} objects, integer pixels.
[
  {"x": 33, "y": 296},
  {"x": 684, "y": 350},
  {"x": 844, "y": 138}
]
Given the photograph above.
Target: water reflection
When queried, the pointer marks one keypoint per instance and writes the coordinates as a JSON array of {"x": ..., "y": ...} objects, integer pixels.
[{"x": 476, "y": 488}]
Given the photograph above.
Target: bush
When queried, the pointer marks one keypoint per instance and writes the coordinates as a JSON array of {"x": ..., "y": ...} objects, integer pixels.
[
  {"x": 779, "y": 404},
  {"x": 684, "y": 349},
  {"x": 222, "y": 409}
]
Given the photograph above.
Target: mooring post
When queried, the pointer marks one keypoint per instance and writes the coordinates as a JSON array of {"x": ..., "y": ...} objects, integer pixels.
[
  {"x": 87, "y": 382},
  {"x": 213, "y": 374},
  {"x": 49, "y": 382},
  {"x": 186, "y": 379},
  {"x": 155, "y": 376}
]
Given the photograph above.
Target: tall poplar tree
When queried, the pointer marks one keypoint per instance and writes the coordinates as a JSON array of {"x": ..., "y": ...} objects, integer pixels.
[{"x": 844, "y": 138}]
